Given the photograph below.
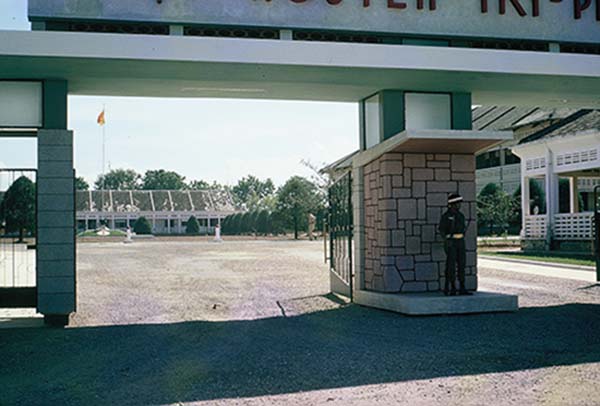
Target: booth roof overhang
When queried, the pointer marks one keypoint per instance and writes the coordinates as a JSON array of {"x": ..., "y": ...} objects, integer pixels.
[{"x": 178, "y": 66}]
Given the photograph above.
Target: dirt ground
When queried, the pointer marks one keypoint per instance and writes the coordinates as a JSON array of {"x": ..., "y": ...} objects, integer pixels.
[{"x": 252, "y": 323}]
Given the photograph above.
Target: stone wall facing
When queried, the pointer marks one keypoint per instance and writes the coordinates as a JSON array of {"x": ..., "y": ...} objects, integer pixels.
[{"x": 405, "y": 196}]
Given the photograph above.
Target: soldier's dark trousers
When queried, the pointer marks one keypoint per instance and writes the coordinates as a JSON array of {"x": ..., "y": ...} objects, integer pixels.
[{"x": 456, "y": 259}]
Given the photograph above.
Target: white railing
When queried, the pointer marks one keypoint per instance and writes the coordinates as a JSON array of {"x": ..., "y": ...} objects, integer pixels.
[
  {"x": 575, "y": 226},
  {"x": 536, "y": 226}
]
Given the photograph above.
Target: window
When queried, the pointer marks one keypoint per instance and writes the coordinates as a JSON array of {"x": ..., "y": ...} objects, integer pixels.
[
  {"x": 20, "y": 104},
  {"x": 372, "y": 121},
  {"x": 428, "y": 111},
  {"x": 511, "y": 158}
]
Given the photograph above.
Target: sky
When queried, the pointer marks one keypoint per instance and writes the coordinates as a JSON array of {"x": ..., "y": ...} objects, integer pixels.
[{"x": 210, "y": 139}]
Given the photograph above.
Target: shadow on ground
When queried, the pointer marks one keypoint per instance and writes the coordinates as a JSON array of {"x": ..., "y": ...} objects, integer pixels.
[{"x": 348, "y": 346}]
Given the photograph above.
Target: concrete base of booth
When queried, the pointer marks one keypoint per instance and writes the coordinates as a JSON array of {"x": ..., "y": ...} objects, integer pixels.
[{"x": 435, "y": 303}]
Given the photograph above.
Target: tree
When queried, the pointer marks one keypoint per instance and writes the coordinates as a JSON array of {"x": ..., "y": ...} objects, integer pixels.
[
  {"x": 118, "y": 179},
  {"x": 245, "y": 223},
  {"x": 495, "y": 207},
  {"x": 263, "y": 222},
  {"x": 18, "y": 207},
  {"x": 236, "y": 223},
  {"x": 163, "y": 180},
  {"x": 491, "y": 189},
  {"x": 198, "y": 185},
  {"x": 192, "y": 227},
  {"x": 295, "y": 199},
  {"x": 251, "y": 191},
  {"x": 226, "y": 225},
  {"x": 142, "y": 226},
  {"x": 81, "y": 184}
]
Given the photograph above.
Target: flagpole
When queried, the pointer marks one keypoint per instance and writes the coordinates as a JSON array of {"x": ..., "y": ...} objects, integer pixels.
[{"x": 103, "y": 159}]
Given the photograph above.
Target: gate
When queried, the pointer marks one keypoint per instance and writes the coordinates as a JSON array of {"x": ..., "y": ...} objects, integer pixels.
[
  {"x": 340, "y": 236},
  {"x": 596, "y": 230},
  {"x": 18, "y": 230}
]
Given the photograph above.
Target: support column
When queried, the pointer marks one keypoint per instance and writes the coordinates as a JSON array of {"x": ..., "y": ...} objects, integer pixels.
[
  {"x": 551, "y": 186},
  {"x": 56, "y": 226},
  {"x": 358, "y": 204},
  {"x": 525, "y": 200},
  {"x": 574, "y": 194}
]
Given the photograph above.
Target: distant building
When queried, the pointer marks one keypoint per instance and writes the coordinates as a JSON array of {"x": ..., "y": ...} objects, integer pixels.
[
  {"x": 568, "y": 151},
  {"x": 499, "y": 165},
  {"x": 167, "y": 210}
]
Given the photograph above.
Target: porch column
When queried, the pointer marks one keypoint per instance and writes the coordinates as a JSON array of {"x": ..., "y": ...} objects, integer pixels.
[
  {"x": 574, "y": 194},
  {"x": 525, "y": 200},
  {"x": 551, "y": 183}
]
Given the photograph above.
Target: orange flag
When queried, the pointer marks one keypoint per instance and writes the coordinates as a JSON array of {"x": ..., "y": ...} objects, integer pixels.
[{"x": 101, "y": 120}]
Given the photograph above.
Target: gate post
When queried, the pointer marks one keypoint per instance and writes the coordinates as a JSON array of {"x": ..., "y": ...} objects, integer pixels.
[
  {"x": 56, "y": 226},
  {"x": 56, "y": 209},
  {"x": 358, "y": 206}
]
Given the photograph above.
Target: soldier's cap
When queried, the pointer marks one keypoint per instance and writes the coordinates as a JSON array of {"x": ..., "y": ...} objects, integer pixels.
[{"x": 454, "y": 198}]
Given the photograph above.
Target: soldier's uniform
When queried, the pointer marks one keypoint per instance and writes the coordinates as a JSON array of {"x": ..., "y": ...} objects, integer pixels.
[{"x": 452, "y": 228}]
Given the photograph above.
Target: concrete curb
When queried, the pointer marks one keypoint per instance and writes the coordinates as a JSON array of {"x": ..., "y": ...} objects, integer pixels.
[{"x": 539, "y": 263}]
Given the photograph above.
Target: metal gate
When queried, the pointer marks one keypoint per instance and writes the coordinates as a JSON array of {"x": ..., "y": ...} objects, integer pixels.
[
  {"x": 18, "y": 230},
  {"x": 340, "y": 236},
  {"x": 596, "y": 230}
]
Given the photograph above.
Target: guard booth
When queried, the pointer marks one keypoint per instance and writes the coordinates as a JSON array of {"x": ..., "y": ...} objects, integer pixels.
[{"x": 415, "y": 69}]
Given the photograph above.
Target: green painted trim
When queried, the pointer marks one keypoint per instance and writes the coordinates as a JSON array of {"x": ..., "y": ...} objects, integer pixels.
[
  {"x": 361, "y": 125},
  {"x": 426, "y": 42},
  {"x": 461, "y": 111},
  {"x": 391, "y": 113},
  {"x": 55, "y": 104}
]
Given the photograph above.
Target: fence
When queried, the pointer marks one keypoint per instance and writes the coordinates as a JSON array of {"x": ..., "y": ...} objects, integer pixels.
[{"x": 18, "y": 209}]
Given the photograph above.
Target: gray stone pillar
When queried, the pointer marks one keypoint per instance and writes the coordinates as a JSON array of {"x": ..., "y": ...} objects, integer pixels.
[{"x": 56, "y": 226}]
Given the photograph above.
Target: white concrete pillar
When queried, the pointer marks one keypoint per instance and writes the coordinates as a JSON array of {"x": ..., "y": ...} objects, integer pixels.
[
  {"x": 551, "y": 183},
  {"x": 525, "y": 200},
  {"x": 574, "y": 194},
  {"x": 179, "y": 225},
  {"x": 168, "y": 224}
]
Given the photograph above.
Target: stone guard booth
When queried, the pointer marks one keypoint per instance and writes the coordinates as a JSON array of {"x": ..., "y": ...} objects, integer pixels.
[{"x": 401, "y": 188}]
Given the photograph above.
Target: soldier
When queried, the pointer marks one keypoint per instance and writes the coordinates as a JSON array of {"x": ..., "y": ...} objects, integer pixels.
[{"x": 452, "y": 228}]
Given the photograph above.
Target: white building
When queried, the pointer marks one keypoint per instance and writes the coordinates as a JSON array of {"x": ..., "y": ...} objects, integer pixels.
[
  {"x": 499, "y": 165},
  {"x": 167, "y": 210},
  {"x": 571, "y": 151}
]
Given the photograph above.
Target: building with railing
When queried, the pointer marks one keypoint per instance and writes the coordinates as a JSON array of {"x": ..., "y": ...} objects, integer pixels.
[
  {"x": 566, "y": 152},
  {"x": 167, "y": 210},
  {"x": 499, "y": 165}
]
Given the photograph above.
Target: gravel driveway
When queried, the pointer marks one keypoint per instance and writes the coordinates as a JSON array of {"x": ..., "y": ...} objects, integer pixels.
[{"x": 252, "y": 323}]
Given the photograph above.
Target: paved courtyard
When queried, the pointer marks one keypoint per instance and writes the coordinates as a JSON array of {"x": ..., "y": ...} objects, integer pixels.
[{"x": 251, "y": 322}]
